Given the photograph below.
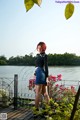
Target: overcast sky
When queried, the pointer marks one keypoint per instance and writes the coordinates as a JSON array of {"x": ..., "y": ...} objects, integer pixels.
[{"x": 20, "y": 31}]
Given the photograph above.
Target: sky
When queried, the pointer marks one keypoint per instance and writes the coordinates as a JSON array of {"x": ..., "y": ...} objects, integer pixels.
[{"x": 21, "y": 31}]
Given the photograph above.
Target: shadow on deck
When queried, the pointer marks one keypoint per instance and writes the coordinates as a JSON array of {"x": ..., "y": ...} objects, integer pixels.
[{"x": 19, "y": 114}]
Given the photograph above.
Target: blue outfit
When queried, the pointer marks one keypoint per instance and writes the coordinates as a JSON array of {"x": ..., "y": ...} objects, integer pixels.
[{"x": 41, "y": 71}]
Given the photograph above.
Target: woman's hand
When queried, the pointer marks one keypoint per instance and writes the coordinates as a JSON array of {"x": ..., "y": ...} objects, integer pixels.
[{"x": 48, "y": 82}]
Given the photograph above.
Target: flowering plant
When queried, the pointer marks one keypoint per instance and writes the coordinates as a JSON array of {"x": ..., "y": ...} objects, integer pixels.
[
  {"x": 4, "y": 98},
  {"x": 31, "y": 83},
  {"x": 52, "y": 79},
  {"x": 58, "y": 91},
  {"x": 62, "y": 100}
]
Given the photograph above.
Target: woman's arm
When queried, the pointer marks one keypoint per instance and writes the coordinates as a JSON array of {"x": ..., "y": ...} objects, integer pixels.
[{"x": 46, "y": 65}]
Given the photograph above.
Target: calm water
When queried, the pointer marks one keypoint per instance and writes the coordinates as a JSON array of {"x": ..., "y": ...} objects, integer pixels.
[
  {"x": 27, "y": 72},
  {"x": 23, "y": 72}
]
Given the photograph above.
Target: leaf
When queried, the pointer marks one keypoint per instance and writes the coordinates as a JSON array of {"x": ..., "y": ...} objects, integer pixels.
[
  {"x": 28, "y": 4},
  {"x": 38, "y": 2},
  {"x": 69, "y": 10}
]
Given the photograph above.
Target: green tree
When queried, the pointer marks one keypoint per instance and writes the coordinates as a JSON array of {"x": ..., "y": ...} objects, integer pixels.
[
  {"x": 66, "y": 59},
  {"x": 3, "y": 60}
]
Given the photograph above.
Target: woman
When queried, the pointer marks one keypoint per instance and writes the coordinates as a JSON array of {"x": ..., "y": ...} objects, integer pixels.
[{"x": 41, "y": 73}]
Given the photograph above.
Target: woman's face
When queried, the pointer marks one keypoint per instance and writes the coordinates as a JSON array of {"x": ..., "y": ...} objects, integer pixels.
[{"x": 39, "y": 49}]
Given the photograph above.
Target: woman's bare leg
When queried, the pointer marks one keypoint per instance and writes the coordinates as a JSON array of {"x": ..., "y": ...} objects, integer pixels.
[
  {"x": 45, "y": 93},
  {"x": 38, "y": 95}
]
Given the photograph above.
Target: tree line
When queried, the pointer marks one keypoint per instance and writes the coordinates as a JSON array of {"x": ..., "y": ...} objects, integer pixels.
[{"x": 65, "y": 59}]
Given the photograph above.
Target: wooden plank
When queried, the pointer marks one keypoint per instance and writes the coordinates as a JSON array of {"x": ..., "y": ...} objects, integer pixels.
[
  {"x": 17, "y": 113},
  {"x": 6, "y": 110},
  {"x": 21, "y": 114}
]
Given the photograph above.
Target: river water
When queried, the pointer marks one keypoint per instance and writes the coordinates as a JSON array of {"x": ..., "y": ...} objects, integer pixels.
[{"x": 69, "y": 74}]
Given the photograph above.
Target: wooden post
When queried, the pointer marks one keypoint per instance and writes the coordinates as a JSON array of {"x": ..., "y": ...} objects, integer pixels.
[
  {"x": 75, "y": 104},
  {"x": 15, "y": 90}
]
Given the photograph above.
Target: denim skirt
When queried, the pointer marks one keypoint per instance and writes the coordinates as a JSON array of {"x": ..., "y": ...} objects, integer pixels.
[{"x": 40, "y": 76}]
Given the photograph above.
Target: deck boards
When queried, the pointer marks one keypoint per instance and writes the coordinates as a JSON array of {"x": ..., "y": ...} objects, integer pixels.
[{"x": 20, "y": 114}]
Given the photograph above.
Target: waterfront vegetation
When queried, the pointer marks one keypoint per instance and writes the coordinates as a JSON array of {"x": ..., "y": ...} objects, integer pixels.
[
  {"x": 65, "y": 59},
  {"x": 61, "y": 102}
]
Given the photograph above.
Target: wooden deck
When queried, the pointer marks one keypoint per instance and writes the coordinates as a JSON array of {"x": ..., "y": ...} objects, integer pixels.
[{"x": 20, "y": 114}]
